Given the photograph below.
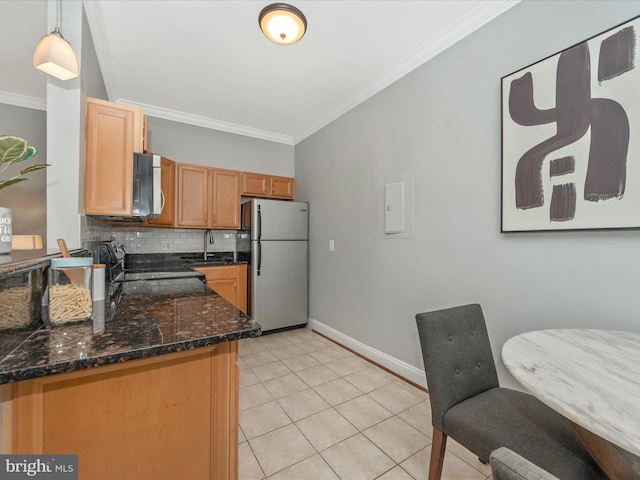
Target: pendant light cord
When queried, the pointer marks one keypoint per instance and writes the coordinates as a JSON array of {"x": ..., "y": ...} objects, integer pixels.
[{"x": 58, "y": 15}]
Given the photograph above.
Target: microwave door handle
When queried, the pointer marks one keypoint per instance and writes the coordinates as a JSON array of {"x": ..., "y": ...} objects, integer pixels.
[{"x": 157, "y": 185}]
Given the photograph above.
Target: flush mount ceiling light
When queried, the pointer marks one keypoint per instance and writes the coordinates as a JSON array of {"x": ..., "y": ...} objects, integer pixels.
[
  {"x": 282, "y": 23},
  {"x": 54, "y": 55}
]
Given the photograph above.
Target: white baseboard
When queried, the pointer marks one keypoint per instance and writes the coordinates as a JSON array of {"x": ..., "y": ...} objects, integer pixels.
[{"x": 398, "y": 367}]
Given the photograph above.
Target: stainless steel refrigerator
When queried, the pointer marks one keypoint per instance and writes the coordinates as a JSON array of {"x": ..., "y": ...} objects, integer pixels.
[{"x": 279, "y": 278}]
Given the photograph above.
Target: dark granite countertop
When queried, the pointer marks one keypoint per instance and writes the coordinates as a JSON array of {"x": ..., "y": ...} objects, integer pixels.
[
  {"x": 21, "y": 259},
  {"x": 141, "y": 262},
  {"x": 152, "y": 318}
]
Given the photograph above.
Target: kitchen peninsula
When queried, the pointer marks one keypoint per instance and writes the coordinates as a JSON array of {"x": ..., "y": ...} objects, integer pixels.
[{"x": 151, "y": 393}]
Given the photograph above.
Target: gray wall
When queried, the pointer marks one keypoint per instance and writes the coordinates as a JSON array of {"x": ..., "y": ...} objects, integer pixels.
[
  {"x": 27, "y": 200},
  {"x": 91, "y": 75},
  {"x": 440, "y": 127},
  {"x": 190, "y": 144}
]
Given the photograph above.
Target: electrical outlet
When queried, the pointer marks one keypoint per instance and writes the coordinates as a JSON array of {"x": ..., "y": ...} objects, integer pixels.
[
  {"x": 332, "y": 245},
  {"x": 166, "y": 245}
]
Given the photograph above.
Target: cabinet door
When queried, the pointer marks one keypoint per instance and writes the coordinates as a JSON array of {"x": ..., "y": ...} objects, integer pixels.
[
  {"x": 254, "y": 184},
  {"x": 114, "y": 132},
  {"x": 225, "y": 196},
  {"x": 173, "y": 416},
  {"x": 193, "y": 196},
  {"x": 242, "y": 287},
  {"x": 228, "y": 281},
  {"x": 223, "y": 280},
  {"x": 281, "y": 187},
  {"x": 168, "y": 184},
  {"x": 226, "y": 288},
  {"x": 145, "y": 134}
]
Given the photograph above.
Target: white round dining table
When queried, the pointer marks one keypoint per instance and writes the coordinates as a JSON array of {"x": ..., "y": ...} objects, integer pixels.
[{"x": 590, "y": 376}]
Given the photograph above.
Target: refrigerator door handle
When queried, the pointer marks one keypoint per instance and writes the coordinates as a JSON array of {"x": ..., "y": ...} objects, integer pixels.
[
  {"x": 259, "y": 245},
  {"x": 259, "y": 226}
]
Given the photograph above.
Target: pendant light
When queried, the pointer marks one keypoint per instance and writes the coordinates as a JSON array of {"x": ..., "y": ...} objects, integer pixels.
[
  {"x": 282, "y": 23},
  {"x": 54, "y": 55}
]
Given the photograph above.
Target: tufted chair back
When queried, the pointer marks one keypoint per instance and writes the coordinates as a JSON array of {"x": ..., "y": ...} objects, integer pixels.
[{"x": 457, "y": 357}]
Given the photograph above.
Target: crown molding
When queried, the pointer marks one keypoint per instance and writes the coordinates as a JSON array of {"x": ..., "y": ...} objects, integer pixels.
[
  {"x": 481, "y": 15},
  {"x": 206, "y": 122},
  {"x": 23, "y": 101}
]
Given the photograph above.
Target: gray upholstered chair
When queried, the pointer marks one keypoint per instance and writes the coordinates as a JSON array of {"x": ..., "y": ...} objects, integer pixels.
[
  {"x": 508, "y": 465},
  {"x": 468, "y": 404}
]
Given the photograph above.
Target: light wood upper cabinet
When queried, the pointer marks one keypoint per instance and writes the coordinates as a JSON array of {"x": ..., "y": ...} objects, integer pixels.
[
  {"x": 114, "y": 132},
  {"x": 228, "y": 281},
  {"x": 207, "y": 197},
  {"x": 167, "y": 217},
  {"x": 281, "y": 187},
  {"x": 193, "y": 196},
  {"x": 269, "y": 186},
  {"x": 225, "y": 194},
  {"x": 254, "y": 184}
]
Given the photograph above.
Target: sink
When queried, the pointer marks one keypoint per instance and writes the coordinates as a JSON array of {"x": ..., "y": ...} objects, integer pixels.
[
  {"x": 130, "y": 276},
  {"x": 203, "y": 263},
  {"x": 196, "y": 259}
]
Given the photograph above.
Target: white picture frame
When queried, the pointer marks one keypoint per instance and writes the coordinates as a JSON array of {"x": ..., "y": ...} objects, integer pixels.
[{"x": 571, "y": 137}]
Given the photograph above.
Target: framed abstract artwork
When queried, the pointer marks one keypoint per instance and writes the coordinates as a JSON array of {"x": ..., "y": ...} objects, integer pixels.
[{"x": 571, "y": 138}]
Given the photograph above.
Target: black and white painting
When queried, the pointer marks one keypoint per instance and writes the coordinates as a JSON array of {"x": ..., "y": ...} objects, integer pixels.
[{"x": 571, "y": 137}]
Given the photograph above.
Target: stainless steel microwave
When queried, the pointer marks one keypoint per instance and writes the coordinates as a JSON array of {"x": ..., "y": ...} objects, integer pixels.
[{"x": 147, "y": 190}]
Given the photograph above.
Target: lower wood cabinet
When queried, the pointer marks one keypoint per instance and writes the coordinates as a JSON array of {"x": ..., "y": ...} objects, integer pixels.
[
  {"x": 228, "y": 281},
  {"x": 172, "y": 416}
]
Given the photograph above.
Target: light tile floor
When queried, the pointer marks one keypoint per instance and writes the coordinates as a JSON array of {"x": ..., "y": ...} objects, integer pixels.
[{"x": 312, "y": 410}]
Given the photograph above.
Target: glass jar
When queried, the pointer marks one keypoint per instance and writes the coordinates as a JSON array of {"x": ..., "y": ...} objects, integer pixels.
[{"x": 70, "y": 283}]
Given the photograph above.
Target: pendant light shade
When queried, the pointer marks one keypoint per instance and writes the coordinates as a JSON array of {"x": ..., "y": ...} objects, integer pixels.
[
  {"x": 282, "y": 23},
  {"x": 54, "y": 55}
]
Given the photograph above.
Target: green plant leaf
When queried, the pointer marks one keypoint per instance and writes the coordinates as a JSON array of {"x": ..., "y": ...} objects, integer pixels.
[
  {"x": 12, "y": 149},
  {"x": 11, "y": 181},
  {"x": 35, "y": 167},
  {"x": 30, "y": 153}
]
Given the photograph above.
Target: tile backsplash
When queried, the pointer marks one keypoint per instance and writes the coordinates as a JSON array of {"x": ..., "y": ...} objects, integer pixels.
[{"x": 137, "y": 239}]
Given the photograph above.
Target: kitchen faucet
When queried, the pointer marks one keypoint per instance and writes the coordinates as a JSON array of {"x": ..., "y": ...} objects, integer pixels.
[{"x": 208, "y": 239}]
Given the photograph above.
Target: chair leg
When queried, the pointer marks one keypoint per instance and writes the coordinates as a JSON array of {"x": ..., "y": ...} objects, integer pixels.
[{"x": 438, "y": 447}]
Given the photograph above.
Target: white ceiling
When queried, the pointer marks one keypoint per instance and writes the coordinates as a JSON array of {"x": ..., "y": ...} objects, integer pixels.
[{"x": 207, "y": 63}]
